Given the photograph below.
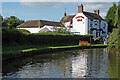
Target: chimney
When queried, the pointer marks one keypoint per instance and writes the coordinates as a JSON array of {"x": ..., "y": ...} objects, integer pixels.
[
  {"x": 80, "y": 9},
  {"x": 65, "y": 14},
  {"x": 96, "y": 11}
]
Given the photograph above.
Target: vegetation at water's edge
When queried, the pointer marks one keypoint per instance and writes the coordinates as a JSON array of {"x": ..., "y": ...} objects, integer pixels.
[{"x": 26, "y": 48}]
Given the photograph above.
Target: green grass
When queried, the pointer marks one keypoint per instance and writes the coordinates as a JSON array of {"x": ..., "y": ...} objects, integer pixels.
[
  {"x": 99, "y": 45},
  {"x": 27, "y": 48},
  {"x": 64, "y": 46},
  {"x": 20, "y": 48}
]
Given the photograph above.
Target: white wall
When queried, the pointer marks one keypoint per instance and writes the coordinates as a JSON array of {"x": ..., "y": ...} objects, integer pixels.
[
  {"x": 67, "y": 24},
  {"x": 80, "y": 26},
  {"x": 31, "y": 30}
]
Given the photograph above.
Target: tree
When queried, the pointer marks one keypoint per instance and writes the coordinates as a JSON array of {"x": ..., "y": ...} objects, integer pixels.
[
  {"x": 114, "y": 38},
  {"x": 111, "y": 17},
  {"x": 11, "y": 22},
  {"x": 1, "y": 19},
  {"x": 117, "y": 17}
]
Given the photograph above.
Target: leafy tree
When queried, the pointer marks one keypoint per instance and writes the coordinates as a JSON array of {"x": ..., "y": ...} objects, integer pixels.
[
  {"x": 111, "y": 17},
  {"x": 11, "y": 22},
  {"x": 1, "y": 19},
  {"x": 117, "y": 17},
  {"x": 114, "y": 38}
]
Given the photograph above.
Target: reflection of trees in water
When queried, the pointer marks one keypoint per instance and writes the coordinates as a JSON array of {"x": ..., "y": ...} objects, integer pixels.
[
  {"x": 113, "y": 63},
  {"x": 97, "y": 63}
]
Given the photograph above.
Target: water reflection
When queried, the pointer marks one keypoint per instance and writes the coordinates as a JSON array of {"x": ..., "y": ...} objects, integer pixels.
[
  {"x": 79, "y": 65},
  {"x": 87, "y": 63}
]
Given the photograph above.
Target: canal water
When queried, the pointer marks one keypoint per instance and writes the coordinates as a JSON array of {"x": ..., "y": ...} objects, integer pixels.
[{"x": 86, "y": 63}]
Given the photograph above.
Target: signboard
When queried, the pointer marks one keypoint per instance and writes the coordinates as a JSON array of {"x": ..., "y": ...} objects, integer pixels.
[{"x": 80, "y": 18}]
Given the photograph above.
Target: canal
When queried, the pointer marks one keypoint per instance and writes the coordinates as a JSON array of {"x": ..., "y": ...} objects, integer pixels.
[{"x": 86, "y": 63}]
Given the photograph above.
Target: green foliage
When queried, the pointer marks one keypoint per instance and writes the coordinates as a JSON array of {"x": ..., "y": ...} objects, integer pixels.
[
  {"x": 97, "y": 39},
  {"x": 114, "y": 38},
  {"x": 11, "y": 22},
  {"x": 111, "y": 17},
  {"x": 1, "y": 18},
  {"x": 117, "y": 17},
  {"x": 24, "y": 31},
  {"x": 14, "y": 36}
]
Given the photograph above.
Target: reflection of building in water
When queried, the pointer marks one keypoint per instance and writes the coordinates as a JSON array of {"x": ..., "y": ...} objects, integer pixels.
[
  {"x": 68, "y": 68},
  {"x": 79, "y": 65},
  {"x": 93, "y": 64}
]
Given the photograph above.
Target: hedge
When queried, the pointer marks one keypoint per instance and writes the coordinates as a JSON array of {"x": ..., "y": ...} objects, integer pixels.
[{"x": 14, "y": 36}]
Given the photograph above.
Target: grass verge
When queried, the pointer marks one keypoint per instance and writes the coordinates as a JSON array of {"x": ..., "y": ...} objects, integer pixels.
[{"x": 26, "y": 48}]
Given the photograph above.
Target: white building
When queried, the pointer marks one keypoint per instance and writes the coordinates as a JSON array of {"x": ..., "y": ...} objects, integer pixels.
[
  {"x": 36, "y": 26},
  {"x": 85, "y": 23},
  {"x": 82, "y": 23}
]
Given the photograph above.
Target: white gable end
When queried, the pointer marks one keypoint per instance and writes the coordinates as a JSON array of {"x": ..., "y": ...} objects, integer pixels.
[{"x": 80, "y": 23}]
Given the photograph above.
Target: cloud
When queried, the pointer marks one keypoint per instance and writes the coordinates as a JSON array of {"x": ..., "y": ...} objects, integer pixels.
[
  {"x": 97, "y": 6},
  {"x": 72, "y": 13},
  {"x": 103, "y": 14},
  {"x": 41, "y": 4}
]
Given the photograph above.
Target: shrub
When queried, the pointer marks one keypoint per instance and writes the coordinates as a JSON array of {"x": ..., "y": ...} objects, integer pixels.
[
  {"x": 11, "y": 36},
  {"x": 24, "y": 31}
]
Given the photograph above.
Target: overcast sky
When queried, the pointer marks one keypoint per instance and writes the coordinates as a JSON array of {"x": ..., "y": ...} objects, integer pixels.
[{"x": 52, "y": 11}]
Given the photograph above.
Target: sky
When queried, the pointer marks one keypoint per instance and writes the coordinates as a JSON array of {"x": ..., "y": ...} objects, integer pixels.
[{"x": 51, "y": 11}]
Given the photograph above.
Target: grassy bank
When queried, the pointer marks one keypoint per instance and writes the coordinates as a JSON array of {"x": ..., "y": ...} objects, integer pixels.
[{"x": 27, "y": 48}]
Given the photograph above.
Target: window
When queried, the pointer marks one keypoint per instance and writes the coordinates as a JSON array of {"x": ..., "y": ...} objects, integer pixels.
[
  {"x": 104, "y": 26},
  {"x": 91, "y": 20}
]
